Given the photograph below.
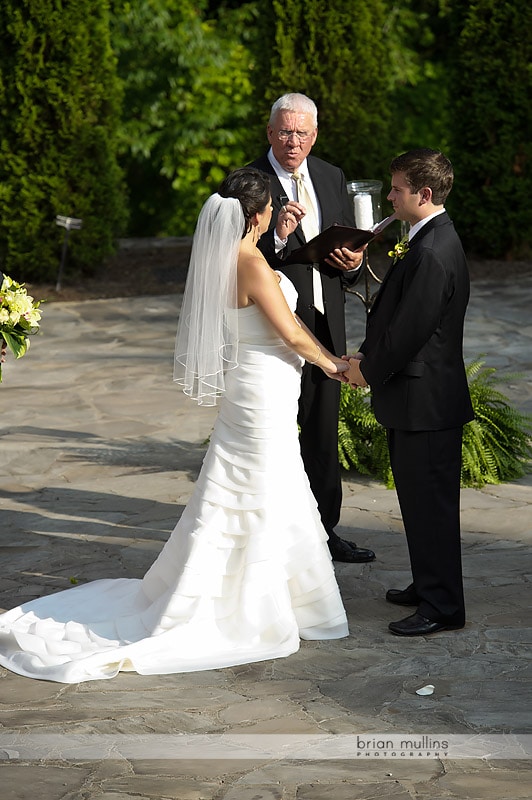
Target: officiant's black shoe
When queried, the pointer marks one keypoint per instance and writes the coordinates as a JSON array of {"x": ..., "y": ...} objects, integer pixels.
[
  {"x": 348, "y": 552},
  {"x": 403, "y": 597},
  {"x": 417, "y": 625}
]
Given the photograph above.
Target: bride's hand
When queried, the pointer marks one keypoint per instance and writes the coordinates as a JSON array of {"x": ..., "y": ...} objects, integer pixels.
[{"x": 338, "y": 372}]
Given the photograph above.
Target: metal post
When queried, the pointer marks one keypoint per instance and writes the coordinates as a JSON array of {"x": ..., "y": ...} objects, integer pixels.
[
  {"x": 68, "y": 223},
  {"x": 368, "y": 296},
  {"x": 366, "y": 198}
]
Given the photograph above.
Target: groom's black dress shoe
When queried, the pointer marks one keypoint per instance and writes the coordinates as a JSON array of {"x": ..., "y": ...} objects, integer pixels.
[
  {"x": 348, "y": 552},
  {"x": 403, "y": 597},
  {"x": 417, "y": 625}
]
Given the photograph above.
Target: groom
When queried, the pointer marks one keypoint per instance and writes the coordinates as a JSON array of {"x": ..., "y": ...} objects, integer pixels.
[{"x": 412, "y": 359}]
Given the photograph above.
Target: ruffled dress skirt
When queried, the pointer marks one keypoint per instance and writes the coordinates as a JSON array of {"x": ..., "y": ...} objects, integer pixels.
[{"x": 244, "y": 575}]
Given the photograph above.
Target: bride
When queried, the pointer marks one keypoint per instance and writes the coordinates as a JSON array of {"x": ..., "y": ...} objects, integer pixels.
[{"x": 246, "y": 573}]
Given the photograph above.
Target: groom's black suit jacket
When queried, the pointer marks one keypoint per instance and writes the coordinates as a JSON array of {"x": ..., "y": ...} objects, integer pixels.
[
  {"x": 414, "y": 365},
  {"x": 413, "y": 346}
]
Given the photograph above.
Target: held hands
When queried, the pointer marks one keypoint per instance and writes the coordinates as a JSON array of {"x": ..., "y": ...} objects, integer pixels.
[
  {"x": 354, "y": 376},
  {"x": 289, "y": 218},
  {"x": 340, "y": 371}
]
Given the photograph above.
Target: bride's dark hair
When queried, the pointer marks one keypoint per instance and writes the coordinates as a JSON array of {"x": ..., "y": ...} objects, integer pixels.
[{"x": 251, "y": 187}]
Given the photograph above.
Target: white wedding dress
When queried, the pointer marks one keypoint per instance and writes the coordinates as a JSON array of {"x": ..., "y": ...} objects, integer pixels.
[{"x": 246, "y": 571}]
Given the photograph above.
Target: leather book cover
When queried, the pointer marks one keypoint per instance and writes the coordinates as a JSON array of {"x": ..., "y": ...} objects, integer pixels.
[{"x": 332, "y": 238}]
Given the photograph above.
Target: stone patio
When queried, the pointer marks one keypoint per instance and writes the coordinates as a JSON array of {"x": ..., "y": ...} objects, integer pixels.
[{"x": 99, "y": 451}]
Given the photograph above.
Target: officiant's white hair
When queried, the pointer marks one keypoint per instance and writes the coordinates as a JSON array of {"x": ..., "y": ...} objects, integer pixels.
[{"x": 295, "y": 102}]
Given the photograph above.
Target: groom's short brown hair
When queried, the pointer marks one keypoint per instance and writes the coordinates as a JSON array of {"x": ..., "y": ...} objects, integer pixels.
[{"x": 426, "y": 167}]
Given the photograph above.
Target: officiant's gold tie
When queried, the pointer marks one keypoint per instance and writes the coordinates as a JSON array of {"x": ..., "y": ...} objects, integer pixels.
[{"x": 311, "y": 228}]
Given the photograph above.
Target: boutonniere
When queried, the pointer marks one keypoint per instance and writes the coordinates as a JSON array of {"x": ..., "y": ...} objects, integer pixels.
[{"x": 400, "y": 250}]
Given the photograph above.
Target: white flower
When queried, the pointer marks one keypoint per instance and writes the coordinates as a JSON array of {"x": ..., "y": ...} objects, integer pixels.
[{"x": 19, "y": 317}]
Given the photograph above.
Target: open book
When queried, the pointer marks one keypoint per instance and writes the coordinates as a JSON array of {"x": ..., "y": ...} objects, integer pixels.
[{"x": 334, "y": 237}]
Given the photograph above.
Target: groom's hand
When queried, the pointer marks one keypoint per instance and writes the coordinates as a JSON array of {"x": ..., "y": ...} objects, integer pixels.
[{"x": 354, "y": 374}]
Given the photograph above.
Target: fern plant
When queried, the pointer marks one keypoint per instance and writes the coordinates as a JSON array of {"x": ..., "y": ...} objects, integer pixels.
[
  {"x": 496, "y": 445},
  {"x": 362, "y": 441}
]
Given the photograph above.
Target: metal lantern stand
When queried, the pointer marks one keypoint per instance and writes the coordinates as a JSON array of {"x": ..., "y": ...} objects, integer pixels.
[{"x": 366, "y": 198}]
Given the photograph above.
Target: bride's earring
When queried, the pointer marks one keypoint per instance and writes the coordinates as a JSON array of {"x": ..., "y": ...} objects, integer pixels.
[{"x": 256, "y": 233}]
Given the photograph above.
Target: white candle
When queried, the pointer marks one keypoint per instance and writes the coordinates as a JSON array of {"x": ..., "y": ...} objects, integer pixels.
[{"x": 363, "y": 211}]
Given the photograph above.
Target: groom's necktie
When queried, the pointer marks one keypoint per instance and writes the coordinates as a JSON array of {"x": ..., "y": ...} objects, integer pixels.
[{"x": 311, "y": 228}]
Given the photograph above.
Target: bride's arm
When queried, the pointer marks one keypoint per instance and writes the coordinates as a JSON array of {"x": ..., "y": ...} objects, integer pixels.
[
  {"x": 258, "y": 281},
  {"x": 341, "y": 376}
]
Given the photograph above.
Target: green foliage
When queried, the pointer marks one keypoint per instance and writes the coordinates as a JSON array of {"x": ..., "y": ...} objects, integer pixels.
[
  {"x": 496, "y": 445},
  {"x": 187, "y": 83},
  {"x": 198, "y": 79},
  {"x": 418, "y": 36},
  {"x": 491, "y": 131},
  {"x": 362, "y": 441},
  {"x": 59, "y": 109}
]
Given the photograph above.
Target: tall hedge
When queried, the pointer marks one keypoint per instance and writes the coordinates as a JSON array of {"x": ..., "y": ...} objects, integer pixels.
[
  {"x": 491, "y": 133},
  {"x": 336, "y": 53},
  {"x": 420, "y": 45},
  {"x": 188, "y": 89},
  {"x": 59, "y": 110}
]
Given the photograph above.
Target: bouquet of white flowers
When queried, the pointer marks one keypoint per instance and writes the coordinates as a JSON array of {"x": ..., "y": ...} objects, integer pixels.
[{"x": 19, "y": 317}]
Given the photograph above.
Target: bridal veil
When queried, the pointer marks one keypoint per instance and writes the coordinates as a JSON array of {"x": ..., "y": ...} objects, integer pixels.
[{"x": 206, "y": 345}]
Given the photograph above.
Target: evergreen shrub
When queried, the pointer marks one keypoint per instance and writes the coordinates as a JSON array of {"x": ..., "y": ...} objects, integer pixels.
[
  {"x": 491, "y": 130},
  {"x": 59, "y": 111}
]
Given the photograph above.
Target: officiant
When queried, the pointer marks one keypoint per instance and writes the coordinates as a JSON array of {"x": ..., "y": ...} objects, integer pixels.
[{"x": 313, "y": 193}]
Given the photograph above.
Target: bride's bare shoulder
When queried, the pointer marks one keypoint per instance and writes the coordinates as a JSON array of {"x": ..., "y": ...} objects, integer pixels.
[{"x": 254, "y": 265}]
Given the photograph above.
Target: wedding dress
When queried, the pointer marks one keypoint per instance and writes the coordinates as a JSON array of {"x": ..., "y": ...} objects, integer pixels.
[{"x": 244, "y": 575}]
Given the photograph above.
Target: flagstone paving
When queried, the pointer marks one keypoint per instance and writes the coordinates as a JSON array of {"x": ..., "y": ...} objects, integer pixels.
[{"x": 98, "y": 455}]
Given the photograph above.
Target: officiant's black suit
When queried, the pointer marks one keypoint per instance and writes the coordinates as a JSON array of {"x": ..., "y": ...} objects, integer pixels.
[
  {"x": 414, "y": 365},
  {"x": 318, "y": 406}
]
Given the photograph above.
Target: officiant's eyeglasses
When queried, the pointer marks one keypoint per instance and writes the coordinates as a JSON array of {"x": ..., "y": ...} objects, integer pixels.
[{"x": 301, "y": 135}]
